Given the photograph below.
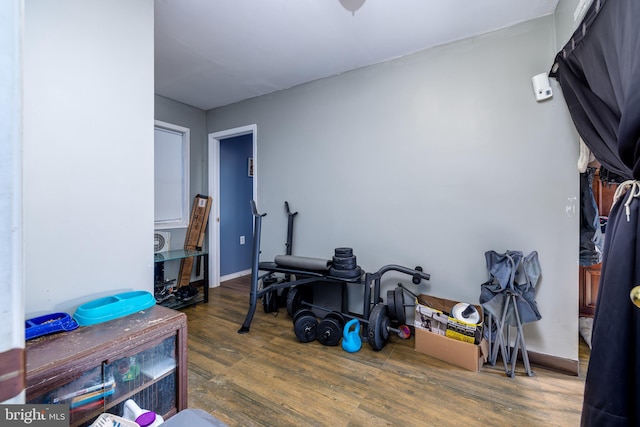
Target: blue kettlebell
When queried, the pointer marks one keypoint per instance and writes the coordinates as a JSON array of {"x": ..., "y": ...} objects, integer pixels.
[{"x": 351, "y": 341}]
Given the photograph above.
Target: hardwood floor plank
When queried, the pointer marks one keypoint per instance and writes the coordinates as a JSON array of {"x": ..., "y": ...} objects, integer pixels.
[{"x": 267, "y": 378}]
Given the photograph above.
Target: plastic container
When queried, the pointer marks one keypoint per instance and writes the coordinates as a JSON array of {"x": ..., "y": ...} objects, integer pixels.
[
  {"x": 110, "y": 420},
  {"x": 113, "y": 307},
  {"x": 48, "y": 324},
  {"x": 143, "y": 417}
]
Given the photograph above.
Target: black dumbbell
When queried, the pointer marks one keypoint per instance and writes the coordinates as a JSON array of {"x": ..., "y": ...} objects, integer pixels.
[
  {"x": 305, "y": 325},
  {"x": 329, "y": 330}
]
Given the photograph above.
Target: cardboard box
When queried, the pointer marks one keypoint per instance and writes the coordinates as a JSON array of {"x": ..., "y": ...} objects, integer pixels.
[
  {"x": 435, "y": 317},
  {"x": 445, "y": 338},
  {"x": 195, "y": 235}
]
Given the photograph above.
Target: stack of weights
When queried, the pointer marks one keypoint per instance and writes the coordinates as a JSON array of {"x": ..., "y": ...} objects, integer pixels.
[{"x": 344, "y": 264}]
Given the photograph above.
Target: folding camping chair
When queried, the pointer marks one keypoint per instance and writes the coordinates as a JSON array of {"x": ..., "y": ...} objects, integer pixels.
[{"x": 508, "y": 299}]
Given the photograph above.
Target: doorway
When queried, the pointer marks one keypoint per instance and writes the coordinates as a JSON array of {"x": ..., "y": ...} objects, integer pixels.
[{"x": 214, "y": 180}]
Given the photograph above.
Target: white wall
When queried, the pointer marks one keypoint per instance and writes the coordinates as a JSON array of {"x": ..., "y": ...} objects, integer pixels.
[
  {"x": 565, "y": 20},
  {"x": 431, "y": 160},
  {"x": 88, "y": 150},
  {"x": 177, "y": 113}
]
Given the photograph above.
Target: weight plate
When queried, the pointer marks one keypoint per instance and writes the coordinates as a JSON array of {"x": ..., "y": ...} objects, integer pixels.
[
  {"x": 329, "y": 332},
  {"x": 345, "y": 274},
  {"x": 348, "y": 260},
  {"x": 344, "y": 265},
  {"x": 302, "y": 312},
  {"x": 391, "y": 304},
  {"x": 378, "y": 332},
  {"x": 305, "y": 327},
  {"x": 401, "y": 315},
  {"x": 296, "y": 297},
  {"x": 343, "y": 268},
  {"x": 343, "y": 252},
  {"x": 337, "y": 317}
]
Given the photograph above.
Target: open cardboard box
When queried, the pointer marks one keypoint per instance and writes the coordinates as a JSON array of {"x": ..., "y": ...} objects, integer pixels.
[{"x": 445, "y": 338}]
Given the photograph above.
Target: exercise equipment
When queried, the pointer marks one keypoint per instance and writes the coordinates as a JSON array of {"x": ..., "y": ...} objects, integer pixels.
[
  {"x": 329, "y": 330},
  {"x": 396, "y": 303},
  {"x": 305, "y": 325},
  {"x": 297, "y": 298},
  {"x": 377, "y": 326},
  {"x": 307, "y": 271},
  {"x": 380, "y": 326},
  {"x": 351, "y": 341}
]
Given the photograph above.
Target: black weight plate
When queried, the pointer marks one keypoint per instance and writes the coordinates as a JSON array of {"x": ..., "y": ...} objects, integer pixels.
[
  {"x": 345, "y": 265},
  {"x": 401, "y": 315},
  {"x": 343, "y": 252},
  {"x": 345, "y": 274},
  {"x": 329, "y": 332},
  {"x": 305, "y": 327},
  {"x": 337, "y": 317},
  {"x": 377, "y": 332},
  {"x": 391, "y": 304},
  {"x": 296, "y": 297},
  {"x": 349, "y": 260},
  {"x": 302, "y": 312}
]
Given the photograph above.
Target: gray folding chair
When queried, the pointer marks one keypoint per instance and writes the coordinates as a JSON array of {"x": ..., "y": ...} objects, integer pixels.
[{"x": 508, "y": 300}]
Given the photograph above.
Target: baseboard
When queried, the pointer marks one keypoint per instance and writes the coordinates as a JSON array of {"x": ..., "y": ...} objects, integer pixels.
[
  {"x": 235, "y": 275},
  {"x": 566, "y": 366}
]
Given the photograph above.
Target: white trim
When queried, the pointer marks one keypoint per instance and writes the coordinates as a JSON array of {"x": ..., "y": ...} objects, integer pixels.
[
  {"x": 235, "y": 275},
  {"x": 12, "y": 279},
  {"x": 183, "y": 221},
  {"x": 214, "y": 191}
]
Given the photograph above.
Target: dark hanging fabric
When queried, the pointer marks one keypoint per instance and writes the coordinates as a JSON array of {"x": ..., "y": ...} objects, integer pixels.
[{"x": 599, "y": 73}]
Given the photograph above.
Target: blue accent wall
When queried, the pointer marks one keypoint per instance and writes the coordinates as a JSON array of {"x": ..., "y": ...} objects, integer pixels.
[{"x": 236, "y": 192}]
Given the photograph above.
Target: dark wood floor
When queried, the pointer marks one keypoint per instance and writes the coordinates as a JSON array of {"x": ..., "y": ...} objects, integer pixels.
[{"x": 268, "y": 378}]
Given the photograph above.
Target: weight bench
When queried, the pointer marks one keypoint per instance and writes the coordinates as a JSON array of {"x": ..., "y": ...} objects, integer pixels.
[{"x": 310, "y": 270}]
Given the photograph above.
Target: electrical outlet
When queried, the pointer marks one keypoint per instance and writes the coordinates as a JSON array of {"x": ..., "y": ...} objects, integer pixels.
[{"x": 242, "y": 240}]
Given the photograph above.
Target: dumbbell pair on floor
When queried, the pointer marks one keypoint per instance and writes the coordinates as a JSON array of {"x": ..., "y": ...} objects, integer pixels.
[{"x": 330, "y": 330}]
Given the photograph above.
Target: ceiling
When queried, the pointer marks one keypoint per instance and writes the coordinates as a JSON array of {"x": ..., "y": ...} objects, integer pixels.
[{"x": 210, "y": 53}]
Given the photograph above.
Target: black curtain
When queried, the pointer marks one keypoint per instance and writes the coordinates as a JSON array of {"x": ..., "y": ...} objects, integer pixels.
[{"x": 599, "y": 73}]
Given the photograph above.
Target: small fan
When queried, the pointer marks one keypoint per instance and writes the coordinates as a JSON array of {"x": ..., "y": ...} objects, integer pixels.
[{"x": 161, "y": 241}]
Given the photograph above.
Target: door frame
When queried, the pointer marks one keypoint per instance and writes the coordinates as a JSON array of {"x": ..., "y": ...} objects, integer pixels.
[{"x": 214, "y": 191}]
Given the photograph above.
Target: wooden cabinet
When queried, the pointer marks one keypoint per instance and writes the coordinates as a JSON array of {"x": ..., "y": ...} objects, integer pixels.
[
  {"x": 589, "y": 284},
  {"x": 603, "y": 193},
  {"x": 589, "y": 276},
  {"x": 95, "y": 369}
]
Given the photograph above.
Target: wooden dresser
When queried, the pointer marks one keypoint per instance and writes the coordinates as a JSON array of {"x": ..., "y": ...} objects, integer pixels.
[
  {"x": 589, "y": 276},
  {"x": 95, "y": 369}
]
